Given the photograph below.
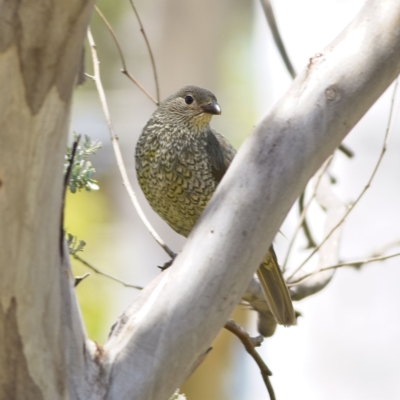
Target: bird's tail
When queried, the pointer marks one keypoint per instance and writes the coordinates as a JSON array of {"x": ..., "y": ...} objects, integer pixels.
[{"x": 275, "y": 290}]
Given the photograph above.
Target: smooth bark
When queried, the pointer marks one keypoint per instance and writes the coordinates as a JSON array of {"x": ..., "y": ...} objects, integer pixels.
[
  {"x": 40, "y": 48},
  {"x": 179, "y": 318}
]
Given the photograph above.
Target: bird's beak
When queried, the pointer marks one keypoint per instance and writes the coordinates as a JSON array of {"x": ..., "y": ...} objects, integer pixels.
[{"x": 212, "y": 108}]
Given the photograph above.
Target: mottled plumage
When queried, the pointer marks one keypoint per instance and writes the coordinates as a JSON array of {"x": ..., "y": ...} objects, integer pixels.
[{"x": 180, "y": 160}]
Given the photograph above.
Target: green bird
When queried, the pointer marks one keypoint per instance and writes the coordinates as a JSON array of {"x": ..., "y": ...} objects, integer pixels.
[{"x": 179, "y": 162}]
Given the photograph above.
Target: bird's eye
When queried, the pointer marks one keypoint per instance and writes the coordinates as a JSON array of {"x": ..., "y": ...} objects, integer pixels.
[{"x": 188, "y": 99}]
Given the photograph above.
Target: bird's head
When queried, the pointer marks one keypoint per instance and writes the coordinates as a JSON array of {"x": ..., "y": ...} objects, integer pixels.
[{"x": 193, "y": 105}]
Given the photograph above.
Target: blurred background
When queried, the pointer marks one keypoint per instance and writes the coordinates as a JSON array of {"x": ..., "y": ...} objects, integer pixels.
[{"x": 346, "y": 344}]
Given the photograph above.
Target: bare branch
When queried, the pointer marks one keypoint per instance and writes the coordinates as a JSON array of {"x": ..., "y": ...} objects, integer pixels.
[
  {"x": 344, "y": 84},
  {"x": 304, "y": 223},
  {"x": 270, "y": 16},
  {"x": 385, "y": 248},
  {"x": 356, "y": 263},
  {"x": 273, "y": 26},
  {"x": 79, "y": 279},
  {"x": 153, "y": 64},
  {"x": 117, "y": 150},
  {"x": 105, "y": 274},
  {"x": 319, "y": 175},
  {"x": 329, "y": 252},
  {"x": 366, "y": 187},
  {"x": 346, "y": 150},
  {"x": 122, "y": 57},
  {"x": 250, "y": 345}
]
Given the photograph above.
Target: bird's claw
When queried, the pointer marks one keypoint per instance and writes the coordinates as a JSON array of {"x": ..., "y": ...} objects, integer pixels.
[{"x": 167, "y": 264}]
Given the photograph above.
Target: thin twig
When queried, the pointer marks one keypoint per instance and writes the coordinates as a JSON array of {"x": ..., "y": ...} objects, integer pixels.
[
  {"x": 304, "y": 223},
  {"x": 66, "y": 181},
  {"x": 329, "y": 252},
  {"x": 305, "y": 209},
  {"x": 71, "y": 162},
  {"x": 346, "y": 150},
  {"x": 357, "y": 263},
  {"x": 79, "y": 279},
  {"x": 273, "y": 26},
  {"x": 250, "y": 344},
  {"x": 306, "y": 228},
  {"x": 100, "y": 272},
  {"x": 386, "y": 247},
  {"x": 153, "y": 64},
  {"x": 117, "y": 150},
  {"x": 124, "y": 69},
  {"x": 383, "y": 151}
]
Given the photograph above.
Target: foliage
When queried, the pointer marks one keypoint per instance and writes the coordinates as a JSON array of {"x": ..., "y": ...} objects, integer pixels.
[
  {"x": 82, "y": 170},
  {"x": 178, "y": 396},
  {"x": 74, "y": 245}
]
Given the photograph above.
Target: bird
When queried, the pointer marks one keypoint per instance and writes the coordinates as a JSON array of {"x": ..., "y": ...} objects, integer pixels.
[{"x": 180, "y": 161}]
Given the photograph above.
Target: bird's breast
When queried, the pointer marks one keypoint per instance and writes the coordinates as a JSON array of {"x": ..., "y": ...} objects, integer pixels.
[{"x": 175, "y": 176}]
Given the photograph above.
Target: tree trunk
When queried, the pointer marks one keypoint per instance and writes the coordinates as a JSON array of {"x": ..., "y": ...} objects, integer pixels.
[{"x": 40, "y": 49}]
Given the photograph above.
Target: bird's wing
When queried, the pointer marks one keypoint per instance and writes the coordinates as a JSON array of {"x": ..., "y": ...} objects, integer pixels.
[
  {"x": 275, "y": 290},
  {"x": 220, "y": 153}
]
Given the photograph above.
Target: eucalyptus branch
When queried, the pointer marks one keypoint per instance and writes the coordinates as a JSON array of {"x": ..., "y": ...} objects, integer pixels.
[
  {"x": 124, "y": 69},
  {"x": 117, "y": 150},
  {"x": 273, "y": 26},
  {"x": 344, "y": 83}
]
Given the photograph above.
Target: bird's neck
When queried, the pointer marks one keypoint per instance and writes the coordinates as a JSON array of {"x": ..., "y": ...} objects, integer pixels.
[
  {"x": 182, "y": 127},
  {"x": 199, "y": 122}
]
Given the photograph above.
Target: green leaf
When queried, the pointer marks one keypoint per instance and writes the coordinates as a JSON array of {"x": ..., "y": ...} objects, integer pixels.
[{"x": 82, "y": 170}]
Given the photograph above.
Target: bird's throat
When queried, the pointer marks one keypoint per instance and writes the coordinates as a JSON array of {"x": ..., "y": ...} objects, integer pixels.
[{"x": 201, "y": 121}]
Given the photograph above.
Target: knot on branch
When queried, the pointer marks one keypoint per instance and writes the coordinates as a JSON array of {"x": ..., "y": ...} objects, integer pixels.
[{"x": 332, "y": 93}]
